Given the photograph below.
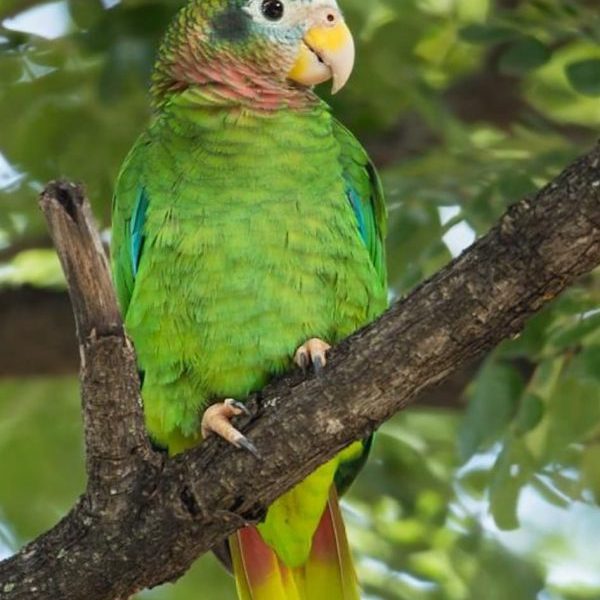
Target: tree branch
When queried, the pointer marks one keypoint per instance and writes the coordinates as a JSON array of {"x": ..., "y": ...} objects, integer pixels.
[
  {"x": 168, "y": 512},
  {"x": 115, "y": 436}
]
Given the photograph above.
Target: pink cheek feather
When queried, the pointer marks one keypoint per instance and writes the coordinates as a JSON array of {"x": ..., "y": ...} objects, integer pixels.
[{"x": 225, "y": 78}]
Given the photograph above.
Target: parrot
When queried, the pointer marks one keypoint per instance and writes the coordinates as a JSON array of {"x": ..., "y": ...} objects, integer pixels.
[{"x": 247, "y": 239}]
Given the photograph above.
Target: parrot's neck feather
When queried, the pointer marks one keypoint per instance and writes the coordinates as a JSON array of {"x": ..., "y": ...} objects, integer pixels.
[{"x": 223, "y": 80}]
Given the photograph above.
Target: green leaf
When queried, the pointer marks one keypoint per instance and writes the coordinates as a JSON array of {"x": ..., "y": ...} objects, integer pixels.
[
  {"x": 590, "y": 471},
  {"x": 574, "y": 406},
  {"x": 11, "y": 69},
  {"x": 590, "y": 362},
  {"x": 530, "y": 414},
  {"x": 523, "y": 56},
  {"x": 584, "y": 76},
  {"x": 575, "y": 332},
  {"x": 491, "y": 407},
  {"x": 477, "y": 33},
  {"x": 512, "y": 471}
]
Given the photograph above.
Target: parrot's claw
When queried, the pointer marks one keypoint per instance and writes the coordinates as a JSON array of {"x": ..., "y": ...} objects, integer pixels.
[
  {"x": 217, "y": 419},
  {"x": 313, "y": 351},
  {"x": 246, "y": 444},
  {"x": 318, "y": 364}
]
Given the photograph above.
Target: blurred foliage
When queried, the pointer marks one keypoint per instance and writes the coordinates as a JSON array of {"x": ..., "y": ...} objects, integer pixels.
[{"x": 467, "y": 105}]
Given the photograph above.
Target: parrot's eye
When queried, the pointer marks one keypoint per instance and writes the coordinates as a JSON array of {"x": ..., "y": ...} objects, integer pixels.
[{"x": 272, "y": 9}]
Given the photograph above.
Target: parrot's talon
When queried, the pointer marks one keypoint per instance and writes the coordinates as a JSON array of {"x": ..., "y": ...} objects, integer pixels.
[
  {"x": 245, "y": 444},
  {"x": 313, "y": 351},
  {"x": 217, "y": 419},
  {"x": 318, "y": 365}
]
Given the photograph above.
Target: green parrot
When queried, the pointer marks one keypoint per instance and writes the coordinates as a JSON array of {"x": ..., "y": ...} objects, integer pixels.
[{"x": 248, "y": 236}]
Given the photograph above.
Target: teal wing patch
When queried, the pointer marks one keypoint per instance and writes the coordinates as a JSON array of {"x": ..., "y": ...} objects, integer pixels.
[
  {"x": 129, "y": 218},
  {"x": 359, "y": 212},
  {"x": 130, "y": 205},
  {"x": 136, "y": 230},
  {"x": 365, "y": 195}
]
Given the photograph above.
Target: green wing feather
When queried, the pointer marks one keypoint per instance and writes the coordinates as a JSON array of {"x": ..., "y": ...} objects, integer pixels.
[
  {"x": 365, "y": 193},
  {"x": 128, "y": 212}
]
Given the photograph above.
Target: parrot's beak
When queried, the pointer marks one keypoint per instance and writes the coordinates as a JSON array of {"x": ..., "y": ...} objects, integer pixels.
[{"x": 327, "y": 52}]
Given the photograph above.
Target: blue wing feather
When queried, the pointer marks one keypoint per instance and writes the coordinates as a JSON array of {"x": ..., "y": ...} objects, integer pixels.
[
  {"x": 365, "y": 195},
  {"x": 136, "y": 229},
  {"x": 357, "y": 207}
]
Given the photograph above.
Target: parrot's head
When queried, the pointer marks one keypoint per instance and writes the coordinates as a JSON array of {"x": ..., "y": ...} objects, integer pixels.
[{"x": 260, "y": 47}]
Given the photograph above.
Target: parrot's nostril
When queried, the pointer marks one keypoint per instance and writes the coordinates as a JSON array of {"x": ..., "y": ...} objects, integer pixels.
[{"x": 331, "y": 17}]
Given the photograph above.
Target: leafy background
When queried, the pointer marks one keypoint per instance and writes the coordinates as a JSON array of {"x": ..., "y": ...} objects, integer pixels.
[{"x": 489, "y": 488}]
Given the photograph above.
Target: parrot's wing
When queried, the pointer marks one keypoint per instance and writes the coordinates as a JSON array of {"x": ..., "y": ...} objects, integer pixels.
[
  {"x": 130, "y": 203},
  {"x": 365, "y": 194}
]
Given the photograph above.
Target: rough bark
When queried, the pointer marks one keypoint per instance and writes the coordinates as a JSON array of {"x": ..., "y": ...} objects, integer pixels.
[{"x": 144, "y": 519}]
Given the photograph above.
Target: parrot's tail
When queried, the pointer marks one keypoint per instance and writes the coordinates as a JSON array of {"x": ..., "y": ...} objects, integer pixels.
[{"x": 328, "y": 574}]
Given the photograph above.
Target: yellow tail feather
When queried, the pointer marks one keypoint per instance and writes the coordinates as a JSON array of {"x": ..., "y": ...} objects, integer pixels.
[{"x": 328, "y": 574}]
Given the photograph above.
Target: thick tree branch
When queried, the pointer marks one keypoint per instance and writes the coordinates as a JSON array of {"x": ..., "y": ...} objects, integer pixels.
[{"x": 170, "y": 512}]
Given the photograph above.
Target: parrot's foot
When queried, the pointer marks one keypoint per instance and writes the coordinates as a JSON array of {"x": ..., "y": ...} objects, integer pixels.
[
  {"x": 313, "y": 351},
  {"x": 217, "y": 419}
]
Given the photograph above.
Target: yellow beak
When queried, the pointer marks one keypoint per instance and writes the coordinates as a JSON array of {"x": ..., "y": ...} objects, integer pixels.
[{"x": 327, "y": 52}]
